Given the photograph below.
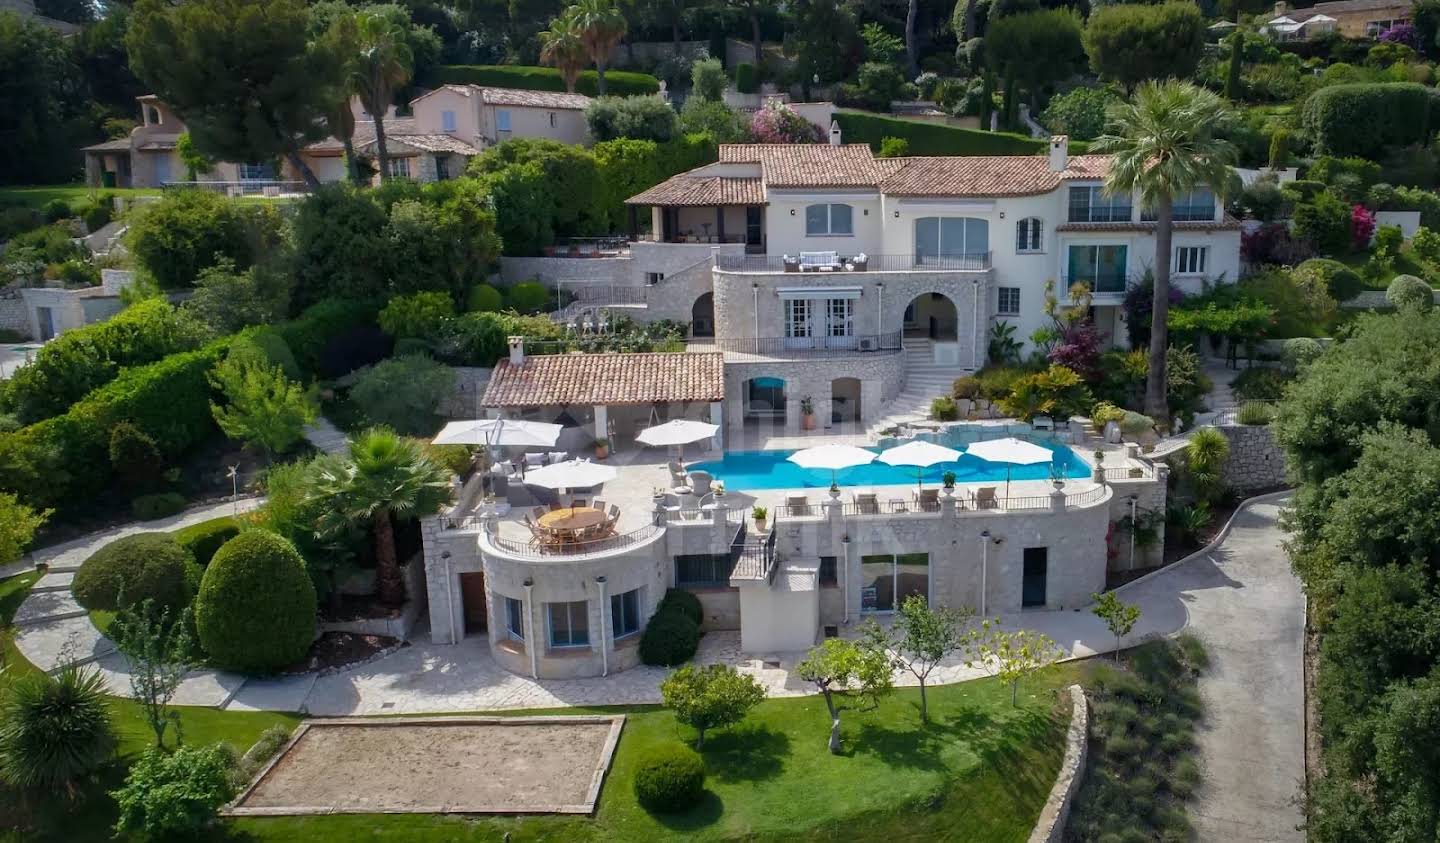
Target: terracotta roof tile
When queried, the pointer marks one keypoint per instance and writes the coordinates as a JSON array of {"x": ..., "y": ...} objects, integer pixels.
[
  {"x": 424, "y": 143},
  {"x": 686, "y": 189},
  {"x": 613, "y": 378},
  {"x": 519, "y": 97},
  {"x": 989, "y": 175},
  {"x": 812, "y": 165}
]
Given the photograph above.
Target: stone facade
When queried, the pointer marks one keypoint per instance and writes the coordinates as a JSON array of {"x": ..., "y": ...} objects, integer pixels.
[
  {"x": 1256, "y": 460},
  {"x": 464, "y": 401},
  {"x": 881, "y": 375}
]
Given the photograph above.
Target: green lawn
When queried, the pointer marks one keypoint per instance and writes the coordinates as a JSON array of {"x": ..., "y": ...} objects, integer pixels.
[
  {"x": 37, "y": 195},
  {"x": 980, "y": 771}
]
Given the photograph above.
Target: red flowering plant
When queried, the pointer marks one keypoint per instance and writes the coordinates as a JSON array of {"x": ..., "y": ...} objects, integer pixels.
[
  {"x": 1362, "y": 227},
  {"x": 777, "y": 123}
]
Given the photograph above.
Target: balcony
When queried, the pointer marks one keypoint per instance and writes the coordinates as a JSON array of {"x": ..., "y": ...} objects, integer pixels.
[
  {"x": 769, "y": 264},
  {"x": 814, "y": 346},
  {"x": 1106, "y": 287}
]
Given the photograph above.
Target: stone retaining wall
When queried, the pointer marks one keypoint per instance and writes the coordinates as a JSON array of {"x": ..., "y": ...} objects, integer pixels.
[
  {"x": 1255, "y": 461},
  {"x": 1050, "y": 828}
]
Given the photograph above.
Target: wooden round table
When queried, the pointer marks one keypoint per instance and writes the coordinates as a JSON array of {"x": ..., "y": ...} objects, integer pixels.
[{"x": 570, "y": 520}]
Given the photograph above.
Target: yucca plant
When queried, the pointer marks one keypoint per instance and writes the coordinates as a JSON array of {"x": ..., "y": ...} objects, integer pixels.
[
  {"x": 1205, "y": 461},
  {"x": 54, "y": 730}
]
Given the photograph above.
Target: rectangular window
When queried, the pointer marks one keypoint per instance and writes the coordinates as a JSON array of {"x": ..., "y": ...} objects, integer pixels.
[
  {"x": 1009, "y": 301},
  {"x": 569, "y": 624},
  {"x": 400, "y": 168},
  {"x": 552, "y": 119},
  {"x": 1196, "y": 206},
  {"x": 703, "y": 570},
  {"x": 1036, "y": 562},
  {"x": 797, "y": 317},
  {"x": 442, "y": 168},
  {"x": 654, "y": 277},
  {"x": 841, "y": 317},
  {"x": 625, "y": 613},
  {"x": 515, "y": 618},
  {"x": 447, "y": 121},
  {"x": 1190, "y": 260},
  {"x": 502, "y": 121},
  {"x": 1028, "y": 235},
  {"x": 829, "y": 220},
  {"x": 829, "y": 570},
  {"x": 1102, "y": 267},
  {"x": 1091, "y": 204}
]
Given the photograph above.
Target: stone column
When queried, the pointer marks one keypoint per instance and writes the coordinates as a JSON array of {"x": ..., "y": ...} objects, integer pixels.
[
  {"x": 717, "y": 418},
  {"x": 602, "y": 422}
]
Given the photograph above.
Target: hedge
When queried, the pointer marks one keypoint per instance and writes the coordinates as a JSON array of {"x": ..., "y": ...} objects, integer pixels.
[
  {"x": 157, "y": 505},
  {"x": 335, "y": 337},
  {"x": 670, "y": 638},
  {"x": 67, "y": 368},
  {"x": 618, "y": 83},
  {"x": 144, "y": 566},
  {"x": 1365, "y": 119},
  {"x": 669, "y": 779},
  {"x": 938, "y": 139},
  {"x": 256, "y": 608},
  {"x": 64, "y": 460},
  {"x": 203, "y": 539}
]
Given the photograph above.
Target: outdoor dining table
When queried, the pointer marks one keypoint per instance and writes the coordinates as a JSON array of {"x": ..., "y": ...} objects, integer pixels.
[{"x": 569, "y": 522}]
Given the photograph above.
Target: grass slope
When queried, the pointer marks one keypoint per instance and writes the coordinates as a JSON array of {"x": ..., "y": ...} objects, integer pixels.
[{"x": 37, "y": 195}]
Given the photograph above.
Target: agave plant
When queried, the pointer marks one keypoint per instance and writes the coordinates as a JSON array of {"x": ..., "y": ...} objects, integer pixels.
[{"x": 54, "y": 730}]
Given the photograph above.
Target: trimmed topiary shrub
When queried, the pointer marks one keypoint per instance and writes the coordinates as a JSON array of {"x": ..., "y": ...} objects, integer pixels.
[
  {"x": 144, "y": 566},
  {"x": 684, "y": 602},
  {"x": 1407, "y": 291},
  {"x": 1342, "y": 282},
  {"x": 669, "y": 639},
  {"x": 256, "y": 608},
  {"x": 528, "y": 297},
  {"x": 669, "y": 779},
  {"x": 746, "y": 79},
  {"x": 203, "y": 539},
  {"x": 159, "y": 505},
  {"x": 484, "y": 298}
]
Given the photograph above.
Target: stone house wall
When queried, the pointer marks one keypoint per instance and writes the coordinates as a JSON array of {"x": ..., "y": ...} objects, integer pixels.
[{"x": 1256, "y": 460}]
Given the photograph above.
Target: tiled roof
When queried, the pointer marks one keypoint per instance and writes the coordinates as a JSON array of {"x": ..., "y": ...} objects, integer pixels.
[
  {"x": 108, "y": 146},
  {"x": 1403, "y": 7},
  {"x": 158, "y": 143},
  {"x": 516, "y": 96},
  {"x": 424, "y": 143},
  {"x": 555, "y": 380},
  {"x": 1226, "y": 224},
  {"x": 989, "y": 175},
  {"x": 686, "y": 189},
  {"x": 365, "y": 133},
  {"x": 812, "y": 164}
]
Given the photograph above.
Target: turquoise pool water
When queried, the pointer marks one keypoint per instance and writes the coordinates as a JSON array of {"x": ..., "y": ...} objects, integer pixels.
[{"x": 749, "y": 470}]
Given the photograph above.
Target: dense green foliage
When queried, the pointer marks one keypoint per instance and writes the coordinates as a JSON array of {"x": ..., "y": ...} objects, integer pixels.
[
  {"x": 936, "y": 139},
  {"x": 671, "y": 637},
  {"x": 710, "y": 697},
  {"x": 1131, "y": 43},
  {"x": 670, "y": 779},
  {"x": 18, "y": 524},
  {"x": 404, "y": 393},
  {"x": 189, "y": 231},
  {"x": 618, "y": 83},
  {"x": 203, "y": 539},
  {"x": 640, "y": 118},
  {"x": 255, "y": 611},
  {"x": 157, "y": 505},
  {"x": 334, "y": 337},
  {"x": 1365, "y": 119},
  {"x": 43, "y": 101},
  {"x": 136, "y": 568},
  {"x": 262, "y": 407},
  {"x": 176, "y": 794},
  {"x": 54, "y": 730}
]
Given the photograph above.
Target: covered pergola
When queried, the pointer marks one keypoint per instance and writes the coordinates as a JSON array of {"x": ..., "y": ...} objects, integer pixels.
[
  {"x": 611, "y": 396},
  {"x": 705, "y": 209}
]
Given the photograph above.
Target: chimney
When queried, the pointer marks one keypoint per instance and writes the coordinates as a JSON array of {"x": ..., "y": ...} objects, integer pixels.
[
  {"x": 517, "y": 351},
  {"x": 1281, "y": 8},
  {"x": 1059, "y": 152},
  {"x": 834, "y": 132}
]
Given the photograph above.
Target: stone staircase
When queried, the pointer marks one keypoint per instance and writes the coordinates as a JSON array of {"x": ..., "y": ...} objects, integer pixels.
[{"x": 924, "y": 382}]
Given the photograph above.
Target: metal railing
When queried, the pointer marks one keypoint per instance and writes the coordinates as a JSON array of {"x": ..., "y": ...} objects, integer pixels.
[
  {"x": 910, "y": 505},
  {"x": 754, "y": 558},
  {"x": 821, "y": 345},
  {"x": 974, "y": 262},
  {"x": 248, "y": 187},
  {"x": 532, "y": 549},
  {"x": 588, "y": 247},
  {"x": 1144, "y": 471}
]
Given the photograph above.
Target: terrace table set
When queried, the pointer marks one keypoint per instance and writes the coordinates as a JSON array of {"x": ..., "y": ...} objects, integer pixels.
[{"x": 564, "y": 527}]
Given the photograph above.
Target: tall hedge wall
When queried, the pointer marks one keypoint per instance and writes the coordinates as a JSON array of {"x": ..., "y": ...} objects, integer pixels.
[
  {"x": 937, "y": 139},
  {"x": 1364, "y": 119},
  {"x": 620, "y": 83}
]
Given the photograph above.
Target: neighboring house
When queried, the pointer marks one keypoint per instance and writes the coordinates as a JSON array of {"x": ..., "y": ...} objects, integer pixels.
[
  {"x": 482, "y": 117},
  {"x": 824, "y": 271},
  {"x": 414, "y": 153},
  {"x": 51, "y": 311},
  {"x": 26, "y": 9},
  {"x": 148, "y": 157},
  {"x": 1351, "y": 18}
]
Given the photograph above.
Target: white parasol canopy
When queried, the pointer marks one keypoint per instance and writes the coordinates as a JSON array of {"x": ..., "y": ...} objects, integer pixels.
[
  {"x": 570, "y": 474},
  {"x": 677, "y": 432},
  {"x": 833, "y": 457},
  {"x": 1010, "y": 451},
  {"x": 920, "y": 454},
  {"x": 514, "y": 432}
]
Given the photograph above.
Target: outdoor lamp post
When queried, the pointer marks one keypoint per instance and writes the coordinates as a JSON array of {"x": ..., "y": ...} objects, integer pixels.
[
  {"x": 1134, "y": 499},
  {"x": 984, "y": 567},
  {"x": 234, "y": 474}
]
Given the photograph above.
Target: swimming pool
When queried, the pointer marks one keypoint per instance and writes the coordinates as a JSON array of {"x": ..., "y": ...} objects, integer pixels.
[{"x": 749, "y": 470}]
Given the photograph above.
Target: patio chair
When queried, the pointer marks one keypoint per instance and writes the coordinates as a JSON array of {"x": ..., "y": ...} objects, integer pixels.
[
  {"x": 598, "y": 504},
  {"x": 1042, "y": 423},
  {"x": 555, "y": 506},
  {"x": 614, "y": 512},
  {"x": 868, "y": 503},
  {"x": 700, "y": 482},
  {"x": 534, "y": 460},
  {"x": 678, "y": 476},
  {"x": 577, "y": 503},
  {"x": 558, "y": 456},
  {"x": 797, "y": 505},
  {"x": 985, "y": 498},
  {"x": 928, "y": 500},
  {"x": 538, "y": 512}
]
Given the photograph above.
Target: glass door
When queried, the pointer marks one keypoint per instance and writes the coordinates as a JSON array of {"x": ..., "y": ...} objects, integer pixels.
[
  {"x": 840, "y": 323},
  {"x": 797, "y": 323},
  {"x": 885, "y": 580},
  {"x": 1032, "y": 586}
]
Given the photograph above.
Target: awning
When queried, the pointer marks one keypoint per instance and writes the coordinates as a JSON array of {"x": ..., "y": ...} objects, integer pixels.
[{"x": 819, "y": 292}]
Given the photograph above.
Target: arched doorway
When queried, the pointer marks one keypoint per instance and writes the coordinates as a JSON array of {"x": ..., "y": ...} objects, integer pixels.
[
  {"x": 932, "y": 316},
  {"x": 845, "y": 400},
  {"x": 765, "y": 398},
  {"x": 702, "y": 316}
]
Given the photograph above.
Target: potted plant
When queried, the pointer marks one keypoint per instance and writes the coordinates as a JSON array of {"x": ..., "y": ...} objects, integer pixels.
[
  {"x": 948, "y": 479},
  {"x": 807, "y": 413},
  {"x": 759, "y": 513},
  {"x": 602, "y": 448},
  {"x": 718, "y": 488},
  {"x": 1099, "y": 464}
]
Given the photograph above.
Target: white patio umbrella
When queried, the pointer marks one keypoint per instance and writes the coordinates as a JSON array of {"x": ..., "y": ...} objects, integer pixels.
[
  {"x": 516, "y": 432},
  {"x": 570, "y": 474},
  {"x": 1012, "y": 452},
  {"x": 678, "y": 432},
  {"x": 920, "y": 454},
  {"x": 833, "y": 457}
]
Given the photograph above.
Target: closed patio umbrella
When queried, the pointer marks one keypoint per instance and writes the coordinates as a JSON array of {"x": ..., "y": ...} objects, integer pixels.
[
  {"x": 1012, "y": 452},
  {"x": 833, "y": 457},
  {"x": 920, "y": 454}
]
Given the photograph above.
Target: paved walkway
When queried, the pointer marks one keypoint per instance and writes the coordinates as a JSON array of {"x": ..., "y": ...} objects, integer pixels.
[{"x": 325, "y": 436}]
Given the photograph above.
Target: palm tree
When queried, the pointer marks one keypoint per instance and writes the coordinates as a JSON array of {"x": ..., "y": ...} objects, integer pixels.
[
  {"x": 1163, "y": 145},
  {"x": 601, "y": 25},
  {"x": 342, "y": 39},
  {"x": 562, "y": 47},
  {"x": 386, "y": 475},
  {"x": 382, "y": 65}
]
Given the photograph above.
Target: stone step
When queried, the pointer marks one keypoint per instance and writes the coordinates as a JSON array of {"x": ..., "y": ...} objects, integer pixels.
[
  {"x": 44, "y": 643},
  {"x": 48, "y": 606},
  {"x": 54, "y": 580}
]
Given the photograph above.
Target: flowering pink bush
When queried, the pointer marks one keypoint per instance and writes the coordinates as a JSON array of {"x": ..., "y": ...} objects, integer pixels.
[
  {"x": 1402, "y": 33},
  {"x": 778, "y": 123},
  {"x": 1362, "y": 226},
  {"x": 1079, "y": 349}
]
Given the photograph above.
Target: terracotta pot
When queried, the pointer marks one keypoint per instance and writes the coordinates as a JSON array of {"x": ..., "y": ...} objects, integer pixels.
[{"x": 807, "y": 421}]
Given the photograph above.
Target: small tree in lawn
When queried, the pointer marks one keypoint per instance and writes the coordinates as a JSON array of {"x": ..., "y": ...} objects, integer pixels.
[
  {"x": 1119, "y": 617},
  {"x": 264, "y": 408},
  {"x": 159, "y": 651},
  {"x": 710, "y": 697},
  {"x": 18, "y": 524},
  {"x": 837, "y": 663},
  {"x": 924, "y": 636},
  {"x": 1011, "y": 656}
]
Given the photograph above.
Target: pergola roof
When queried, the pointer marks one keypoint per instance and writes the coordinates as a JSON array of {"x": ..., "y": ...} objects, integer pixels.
[
  {"x": 685, "y": 190},
  {"x": 559, "y": 380}
]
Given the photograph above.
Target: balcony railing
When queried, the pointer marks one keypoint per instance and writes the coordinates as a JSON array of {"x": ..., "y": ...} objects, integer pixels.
[
  {"x": 1107, "y": 283},
  {"x": 754, "y": 557},
  {"x": 818, "y": 345},
  {"x": 531, "y": 549},
  {"x": 248, "y": 187},
  {"x": 976, "y": 262}
]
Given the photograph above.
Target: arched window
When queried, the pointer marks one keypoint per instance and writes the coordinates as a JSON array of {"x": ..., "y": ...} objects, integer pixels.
[
  {"x": 1028, "y": 236},
  {"x": 829, "y": 220},
  {"x": 154, "y": 116}
]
